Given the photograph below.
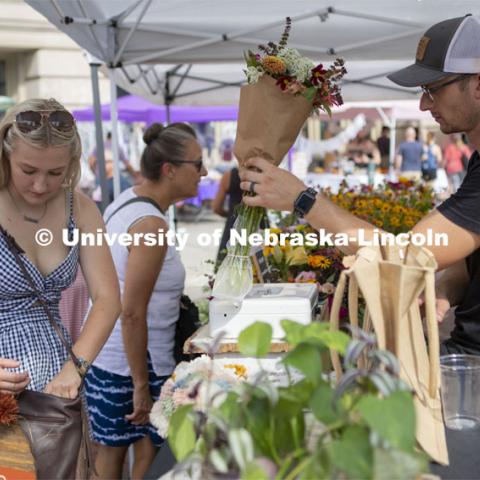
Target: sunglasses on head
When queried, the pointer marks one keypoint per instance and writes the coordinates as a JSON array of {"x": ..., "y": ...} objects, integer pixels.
[
  {"x": 197, "y": 163},
  {"x": 30, "y": 120}
]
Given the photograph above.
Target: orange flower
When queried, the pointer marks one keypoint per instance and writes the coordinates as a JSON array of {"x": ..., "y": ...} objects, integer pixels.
[
  {"x": 274, "y": 65},
  {"x": 319, "y": 261},
  {"x": 8, "y": 409}
]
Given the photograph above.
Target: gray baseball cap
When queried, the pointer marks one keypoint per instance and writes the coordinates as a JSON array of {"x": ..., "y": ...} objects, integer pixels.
[{"x": 449, "y": 47}]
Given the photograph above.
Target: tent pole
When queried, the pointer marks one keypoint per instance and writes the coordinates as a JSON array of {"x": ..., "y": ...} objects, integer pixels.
[
  {"x": 172, "y": 209},
  {"x": 393, "y": 128},
  {"x": 114, "y": 120},
  {"x": 99, "y": 135}
]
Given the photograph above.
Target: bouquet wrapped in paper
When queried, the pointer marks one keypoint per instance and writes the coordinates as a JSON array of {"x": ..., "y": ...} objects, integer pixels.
[{"x": 283, "y": 89}]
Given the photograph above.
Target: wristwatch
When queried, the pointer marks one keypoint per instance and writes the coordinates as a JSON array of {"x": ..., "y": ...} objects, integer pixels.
[
  {"x": 304, "y": 202},
  {"x": 82, "y": 366}
]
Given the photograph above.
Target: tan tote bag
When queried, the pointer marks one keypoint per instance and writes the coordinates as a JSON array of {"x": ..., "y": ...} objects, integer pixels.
[{"x": 390, "y": 280}]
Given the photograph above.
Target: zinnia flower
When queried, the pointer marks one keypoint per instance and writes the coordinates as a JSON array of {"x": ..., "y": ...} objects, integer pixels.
[{"x": 274, "y": 65}]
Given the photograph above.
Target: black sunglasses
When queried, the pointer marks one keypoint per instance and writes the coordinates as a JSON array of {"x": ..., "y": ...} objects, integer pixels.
[
  {"x": 30, "y": 120},
  {"x": 198, "y": 163}
]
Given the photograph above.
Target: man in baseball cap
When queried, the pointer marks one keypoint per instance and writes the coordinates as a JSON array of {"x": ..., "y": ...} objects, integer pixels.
[
  {"x": 447, "y": 63},
  {"x": 447, "y": 68}
]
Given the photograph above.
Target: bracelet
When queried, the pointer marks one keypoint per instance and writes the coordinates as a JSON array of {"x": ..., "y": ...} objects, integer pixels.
[{"x": 82, "y": 366}]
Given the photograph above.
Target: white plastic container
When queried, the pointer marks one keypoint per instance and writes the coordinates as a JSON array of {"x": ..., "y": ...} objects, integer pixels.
[{"x": 270, "y": 303}]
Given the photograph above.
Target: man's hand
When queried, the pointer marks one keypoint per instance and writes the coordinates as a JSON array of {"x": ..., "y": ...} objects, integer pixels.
[
  {"x": 442, "y": 306},
  {"x": 274, "y": 187}
]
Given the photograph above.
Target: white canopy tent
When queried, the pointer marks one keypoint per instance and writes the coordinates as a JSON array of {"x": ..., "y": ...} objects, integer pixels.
[{"x": 167, "y": 50}]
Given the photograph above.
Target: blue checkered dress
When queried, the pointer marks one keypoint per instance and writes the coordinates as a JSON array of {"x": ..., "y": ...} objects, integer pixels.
[{"x": 25, "y": 331}]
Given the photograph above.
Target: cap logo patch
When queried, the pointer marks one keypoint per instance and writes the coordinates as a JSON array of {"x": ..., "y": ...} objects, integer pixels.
[{"x": 422, "y": 46}]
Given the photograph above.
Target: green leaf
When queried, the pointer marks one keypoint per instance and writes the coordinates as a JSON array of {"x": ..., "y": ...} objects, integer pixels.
[
  {"x": 317, "y": 332},
  {"x": 254, "y": 472},
  {"x": 296, "y": 333},
  {"x": 392, "y": 417},
  {"x": 255, "y": 340},
  {"x": 310, "y": 93},
  {"x": 241, "y": 443},
  {"x": 306, "y": 358},
  {"x": 181, "y": 434},
  {"x": 352, "y": 453},
  {"x": 217, "y": 460},
  {"x": 321, "y": 404},
  {"x": 396, "y": 464},
  {"x": 335, "y": 340}
]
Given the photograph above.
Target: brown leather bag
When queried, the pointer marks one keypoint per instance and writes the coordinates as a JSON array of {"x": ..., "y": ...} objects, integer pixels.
[{"x": 56, "y": 428}]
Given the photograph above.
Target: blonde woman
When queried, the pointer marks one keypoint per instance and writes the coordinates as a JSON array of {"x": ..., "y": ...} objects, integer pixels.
[{"x": 39, "y": 166}]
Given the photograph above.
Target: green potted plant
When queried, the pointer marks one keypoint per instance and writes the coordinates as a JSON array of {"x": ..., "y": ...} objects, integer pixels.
[{"x": 304, "y": 426}]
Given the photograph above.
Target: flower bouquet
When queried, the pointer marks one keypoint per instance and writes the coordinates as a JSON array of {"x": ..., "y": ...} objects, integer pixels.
[
  {"x": 202, "y": 382},
  {"x": 283, "y": 89}
]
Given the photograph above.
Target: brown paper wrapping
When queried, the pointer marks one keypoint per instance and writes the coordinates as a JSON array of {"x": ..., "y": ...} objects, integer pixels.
[
  {"x": 269, "y": 121},
  {"x": 390, "y": 286}
]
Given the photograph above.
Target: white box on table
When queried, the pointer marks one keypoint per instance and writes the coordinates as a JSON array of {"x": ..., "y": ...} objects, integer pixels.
[{"x": 266, "y": 302}]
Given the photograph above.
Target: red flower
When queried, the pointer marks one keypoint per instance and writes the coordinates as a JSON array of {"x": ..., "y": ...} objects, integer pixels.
[
  {"x": 284, "y": 81},
  {"x": 317, "y": 74},
  {"x": 8, "y": 409}
]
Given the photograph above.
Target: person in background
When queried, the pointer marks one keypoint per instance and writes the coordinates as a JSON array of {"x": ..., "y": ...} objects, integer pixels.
[
  {"x": 138, "y": 358},
  {"x": 383, "y": 145},
  {"x": 362, "y": 151},
  {"x": 73, "y": 306},
  {"x": 431, "y": 158},
  {"x": 229, "y": 187},
  {"x": 408, "y": 161},
  {"x": 40, "y": 152},
  {"x": 456, "y": 156},
  {"x": 122, "y": 157}
]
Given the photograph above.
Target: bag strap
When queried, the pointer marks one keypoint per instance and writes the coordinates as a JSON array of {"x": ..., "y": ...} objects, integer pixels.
[
  {"x": 14, "y": 249},
  {"x": 135, "y": 200},
  {"x": 335, "y": 321},
  {"x": 432, "y": 333}
]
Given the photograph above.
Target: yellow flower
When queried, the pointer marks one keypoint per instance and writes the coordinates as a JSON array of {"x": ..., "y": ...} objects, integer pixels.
[
  {"x": 274, "y": 65},
  {"x": 409, "y": 222},
  {"x": 319, "y": 261},
  {"x": 395, "y": 221},
  {"x": 267, "y": 251},
  {"x": 386, "y": 207},
  {"x": 296, "y": 256},
  {"x": 239, "y": 370},
  {"x": 275, "y": 231},
  {"x": 361, "y": 203}
]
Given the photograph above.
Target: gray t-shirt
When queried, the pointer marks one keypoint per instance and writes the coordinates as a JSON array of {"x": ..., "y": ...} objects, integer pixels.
[{"x": 411, "y": 153}]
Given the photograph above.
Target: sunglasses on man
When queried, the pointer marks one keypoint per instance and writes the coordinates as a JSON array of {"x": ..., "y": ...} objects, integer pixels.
[{"x": 29, "y": 121}]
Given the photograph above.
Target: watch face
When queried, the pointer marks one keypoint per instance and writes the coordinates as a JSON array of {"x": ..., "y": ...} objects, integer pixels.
[{"x": 304, "y": 202}]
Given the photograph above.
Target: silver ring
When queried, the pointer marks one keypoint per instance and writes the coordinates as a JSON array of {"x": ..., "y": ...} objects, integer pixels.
[{"x": 252, "y": 187}]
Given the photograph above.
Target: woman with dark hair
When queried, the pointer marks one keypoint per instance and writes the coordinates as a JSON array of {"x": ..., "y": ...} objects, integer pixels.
[{"x": 137, "y": 359}]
